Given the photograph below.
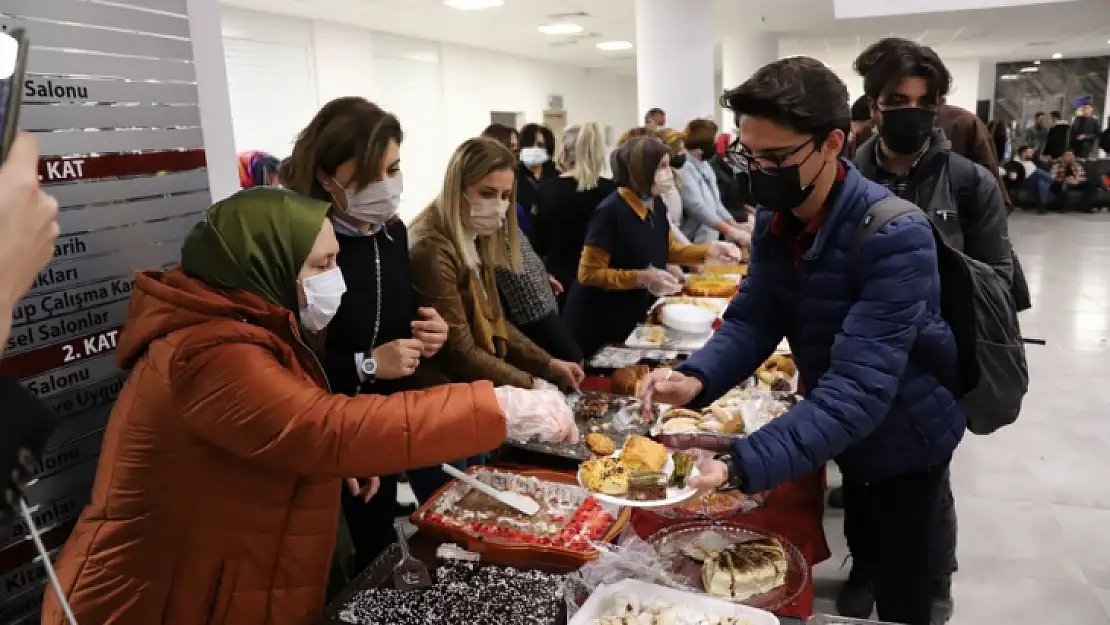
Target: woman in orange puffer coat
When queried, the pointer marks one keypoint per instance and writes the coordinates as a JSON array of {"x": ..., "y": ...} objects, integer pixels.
[{"x": 217, "y": 494}]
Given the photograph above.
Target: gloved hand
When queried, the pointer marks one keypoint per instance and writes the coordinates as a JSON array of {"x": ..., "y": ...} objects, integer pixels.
[
  {"x": 677, "y": 272},
  {"x": 723, "y": 253},
  {"x": 544, "y": 415},
  {"x": 658, "y": 282}
]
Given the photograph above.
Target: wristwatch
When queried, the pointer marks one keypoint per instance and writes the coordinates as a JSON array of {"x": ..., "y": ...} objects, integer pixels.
[
  {"x": 735, "y": 477},
  {"x": 369, "y": 369}
]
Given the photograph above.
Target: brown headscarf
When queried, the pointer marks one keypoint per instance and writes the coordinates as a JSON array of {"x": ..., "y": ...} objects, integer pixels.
[{"x": 637, "y": 160}]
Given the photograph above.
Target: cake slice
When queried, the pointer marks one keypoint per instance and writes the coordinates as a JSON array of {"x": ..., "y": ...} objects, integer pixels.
[{"x": 746, "y": 569}]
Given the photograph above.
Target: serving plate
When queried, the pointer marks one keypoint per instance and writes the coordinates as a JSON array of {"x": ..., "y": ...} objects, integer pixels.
[{"x": 670, "y": 543}]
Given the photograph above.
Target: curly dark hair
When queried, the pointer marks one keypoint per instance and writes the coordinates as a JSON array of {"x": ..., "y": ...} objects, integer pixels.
[
  {"x": 887, "y": 62},
  {"x": 800, "y": 93}
]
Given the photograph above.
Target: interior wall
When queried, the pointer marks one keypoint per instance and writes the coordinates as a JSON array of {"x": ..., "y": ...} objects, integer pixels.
[
  {"x": 442, "y": 93},
  {"x": 965, "y": 80}
]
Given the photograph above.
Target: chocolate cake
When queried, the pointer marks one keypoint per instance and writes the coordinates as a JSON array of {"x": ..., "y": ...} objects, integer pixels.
[
  {"x": 464, "y": 593},
  {"x": 647, "y": 487}
]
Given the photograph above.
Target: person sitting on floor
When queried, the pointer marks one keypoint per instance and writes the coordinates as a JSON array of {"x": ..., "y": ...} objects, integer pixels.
[
  {"x": 1037, "y": 180},
  {"x": 1069, "y": 174}
]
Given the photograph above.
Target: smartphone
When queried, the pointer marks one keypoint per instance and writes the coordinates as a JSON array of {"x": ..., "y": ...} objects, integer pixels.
[{"x": 13, "y": 65}]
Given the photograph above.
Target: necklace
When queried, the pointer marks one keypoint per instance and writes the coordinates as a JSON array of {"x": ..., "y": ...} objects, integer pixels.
[{"x": 377, "y": 301}]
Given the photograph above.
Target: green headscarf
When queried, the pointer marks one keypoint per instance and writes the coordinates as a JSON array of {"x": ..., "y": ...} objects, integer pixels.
[{"x": 256, "y": 240}]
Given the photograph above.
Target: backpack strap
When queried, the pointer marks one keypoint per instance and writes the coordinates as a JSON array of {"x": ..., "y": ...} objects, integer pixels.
[
  {"x": 880, "y": 214},
  {"x": 963, "y": 178}
]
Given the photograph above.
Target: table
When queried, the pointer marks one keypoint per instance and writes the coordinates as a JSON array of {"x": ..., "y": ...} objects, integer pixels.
[{"x": 794, "y": 511}]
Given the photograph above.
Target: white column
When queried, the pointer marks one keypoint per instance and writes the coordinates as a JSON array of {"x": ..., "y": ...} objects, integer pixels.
[
  {"x": 741, "y": 55},
  {"x": 215, "y": 103},
  {"x": 675, "y": 56}
]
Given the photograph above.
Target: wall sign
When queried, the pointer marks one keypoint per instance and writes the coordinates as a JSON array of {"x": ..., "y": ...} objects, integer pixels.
[{"x": 111, "y": 97}]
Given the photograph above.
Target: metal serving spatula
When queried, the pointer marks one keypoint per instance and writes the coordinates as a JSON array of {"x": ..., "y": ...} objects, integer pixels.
[
  {"x": 410, "y": 573},
  {"x": 515, "y": 501}
]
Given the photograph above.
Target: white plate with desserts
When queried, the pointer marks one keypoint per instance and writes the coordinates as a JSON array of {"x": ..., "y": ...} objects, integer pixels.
[{"x": 643, "y": 474}]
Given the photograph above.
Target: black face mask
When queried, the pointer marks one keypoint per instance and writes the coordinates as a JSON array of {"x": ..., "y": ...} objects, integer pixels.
[
  {"x": 782, "y": 190},
  {"x": 678, "y": 161},
  {"x": 905, "y": 130}
]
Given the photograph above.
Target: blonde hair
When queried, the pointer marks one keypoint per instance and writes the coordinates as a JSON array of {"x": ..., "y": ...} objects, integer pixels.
[
  {"x": 589, "y": 156},
  {"x": 450, "y": 211}
]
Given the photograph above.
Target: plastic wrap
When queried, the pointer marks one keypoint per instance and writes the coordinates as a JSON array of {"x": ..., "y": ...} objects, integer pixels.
[
  {"x": 761, "y": 407},
  {"x": 629, "y": 557},
  {"x": 542, "y": 415}
]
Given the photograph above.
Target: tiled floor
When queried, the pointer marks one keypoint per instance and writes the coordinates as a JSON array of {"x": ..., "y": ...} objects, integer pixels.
[{"x": 1034, "y": 498}]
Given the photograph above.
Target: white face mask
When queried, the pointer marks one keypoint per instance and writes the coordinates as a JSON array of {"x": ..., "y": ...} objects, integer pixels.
[
  {"x": 534, "y": 156},
  {"x": 322, "y": 294},
  {"x": 487, "y": 215},
  {"x": 377, "y": 202}
]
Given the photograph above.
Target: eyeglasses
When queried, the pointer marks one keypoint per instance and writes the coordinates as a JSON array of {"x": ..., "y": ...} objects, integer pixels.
[{"x": 743, "y": 159}]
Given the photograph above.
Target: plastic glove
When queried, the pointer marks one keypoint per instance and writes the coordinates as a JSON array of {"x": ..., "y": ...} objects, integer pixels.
[
  {"x": 544, "y": 415},
  {"x": 658, "y": 282},
  {"x": 677, "y": 272},
  {"x": 724, "y": 253}
]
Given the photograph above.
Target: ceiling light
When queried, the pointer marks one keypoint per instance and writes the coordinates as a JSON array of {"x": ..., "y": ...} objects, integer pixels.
[
  {"x": 1057, "y": 55},
  {"x": 560, "y": 28},
  {"x": 1029, "y": 68},
  {"x": 1036, "y": 62},
  {"x": 473, "y": 5},
  {"x": 614, "y": 46}
]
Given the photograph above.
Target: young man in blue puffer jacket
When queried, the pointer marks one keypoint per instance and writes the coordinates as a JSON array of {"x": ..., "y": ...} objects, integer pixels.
[{"x": 865, "y": 327}]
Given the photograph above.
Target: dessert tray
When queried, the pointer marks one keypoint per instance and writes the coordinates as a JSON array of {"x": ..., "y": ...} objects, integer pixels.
[
  {"x": 559, "y": 535},
  {"x": 616, "y": 416},
  {"x": 643, "y": 474},
  {"x": 462, "y": 592},
  {"x": 733, "y": 562},
  {"x": 737, "y": 414},
  {"x": 646, "y": 336},
  {"x": 633, "y": 601},
  {"x": 612, "y": 357},
  {"x": 715, "y": 505}
]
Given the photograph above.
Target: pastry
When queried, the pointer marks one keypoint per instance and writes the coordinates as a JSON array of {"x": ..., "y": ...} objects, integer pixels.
[
  {"x": 683, "y": 466},
  {"x": 648, "y": 335},
  {"x": 685, "y": 413},
  {"x": 746, "y": 569},
  {"x": 682, "y": 424},
  {"x": 600, "y": 444},
  {"x": 711, "y": 287},
  {"x": 606, "y": 475},
  {"x": 647, "y": 487},
  {"x": 643, "y": 454},
  {"x": 626, "y": 380},
  {"x": 592, "y": 407}
]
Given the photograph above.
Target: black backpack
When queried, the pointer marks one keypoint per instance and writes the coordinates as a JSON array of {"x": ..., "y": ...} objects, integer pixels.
[
  {"x": 993, "y": 376},
  {"x": 963, "y": 177}
]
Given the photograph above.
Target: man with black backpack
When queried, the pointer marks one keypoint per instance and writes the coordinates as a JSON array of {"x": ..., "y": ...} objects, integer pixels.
[{"x": 906, "y": 83}]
